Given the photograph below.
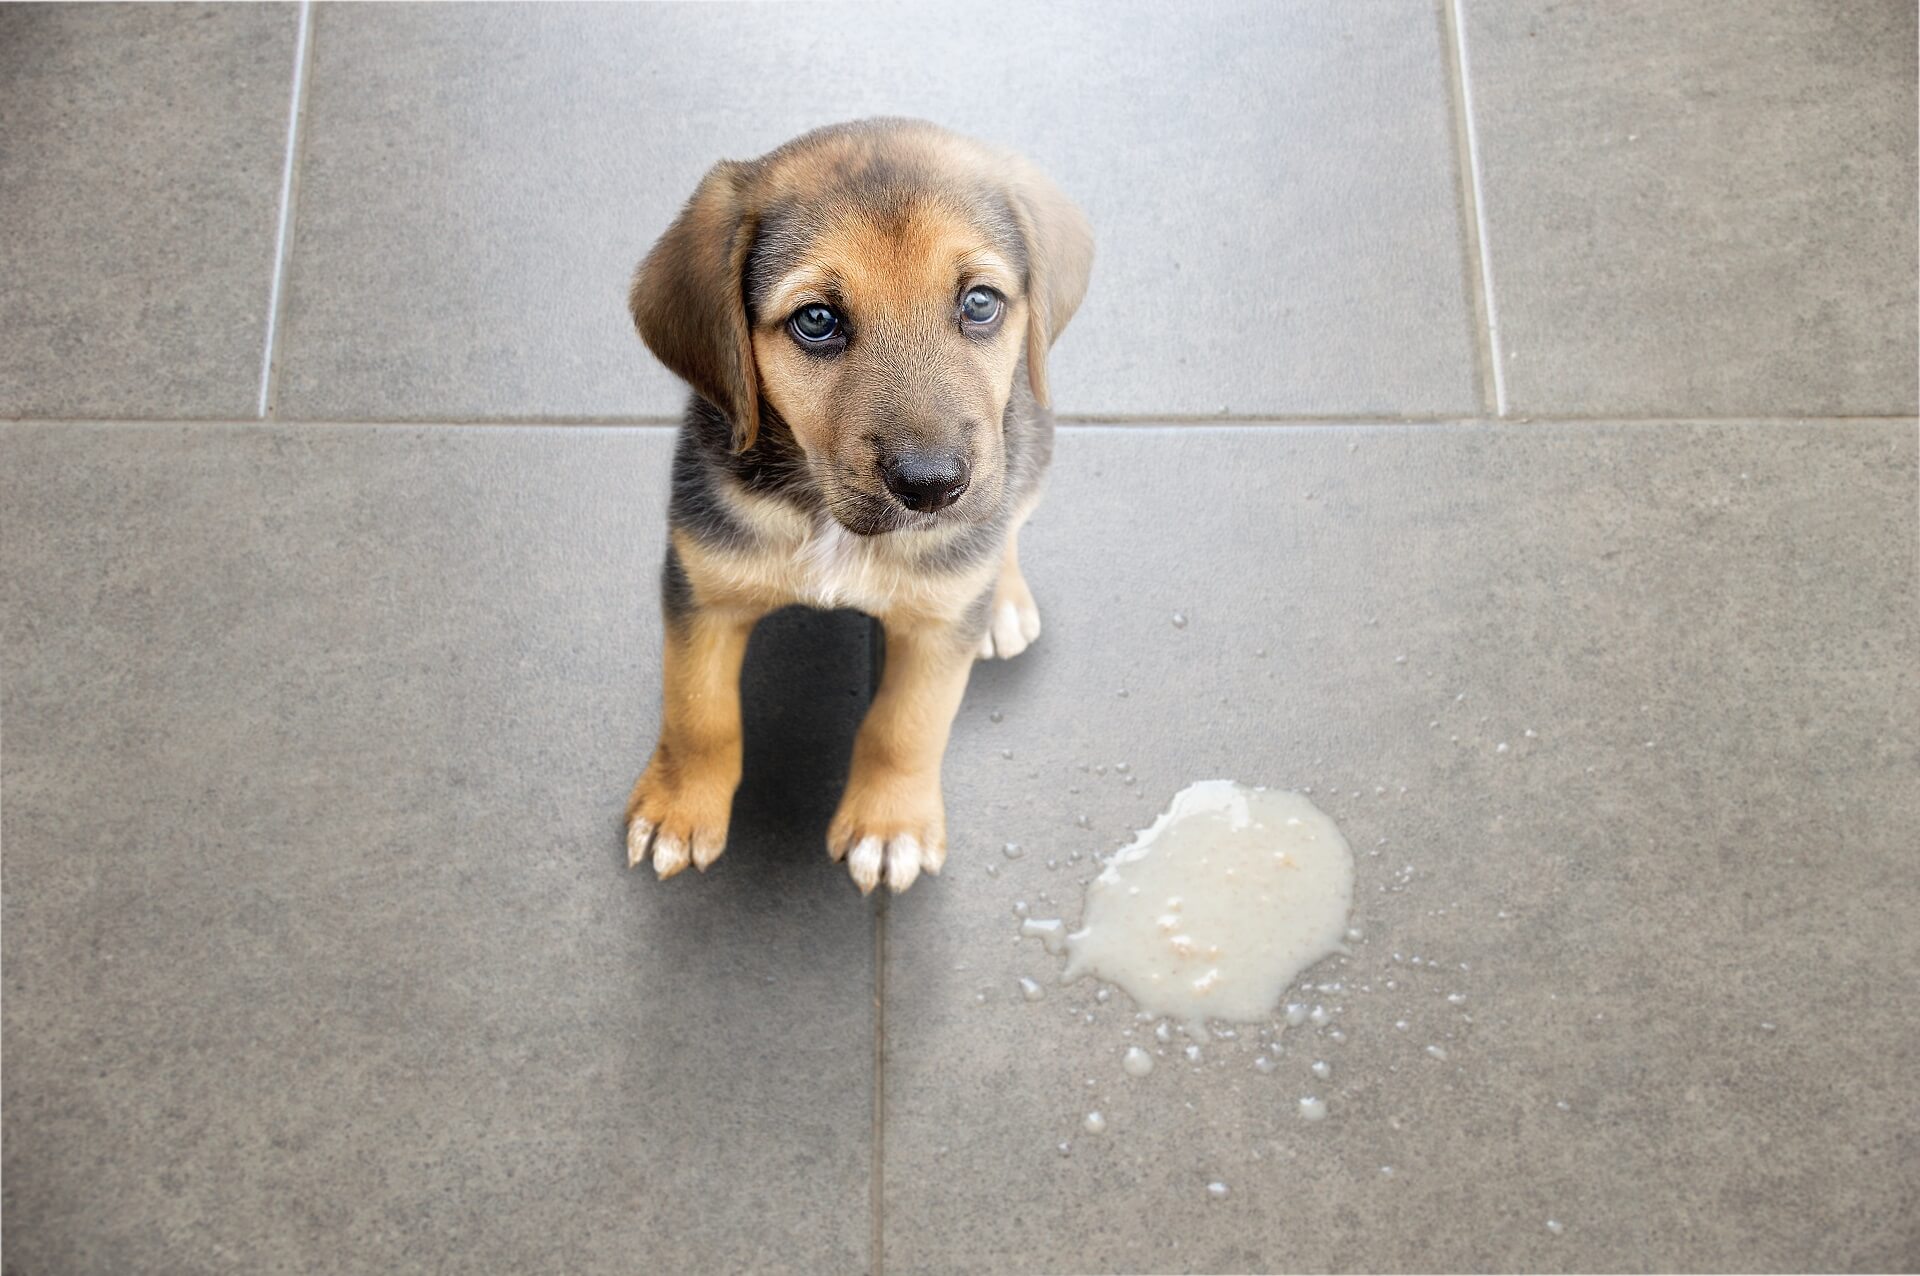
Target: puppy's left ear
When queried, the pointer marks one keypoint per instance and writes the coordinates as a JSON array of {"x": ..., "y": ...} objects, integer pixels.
[
  {"x": 689, "y": 300},
  {"x": 1059, "y": 257}
]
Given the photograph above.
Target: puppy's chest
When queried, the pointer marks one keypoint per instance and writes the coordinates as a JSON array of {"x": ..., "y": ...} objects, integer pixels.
[{"x": 829, "y": 566}]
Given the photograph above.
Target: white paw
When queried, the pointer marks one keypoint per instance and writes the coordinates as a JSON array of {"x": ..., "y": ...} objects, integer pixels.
[
  {"x": 1011, "y": 628},
  {"x": 898, "y": 861},
  {"x": 671, "y": 852}
]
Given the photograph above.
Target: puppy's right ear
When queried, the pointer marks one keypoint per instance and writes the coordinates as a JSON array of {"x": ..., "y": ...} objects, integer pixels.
[{"x": 689, "y": 300}]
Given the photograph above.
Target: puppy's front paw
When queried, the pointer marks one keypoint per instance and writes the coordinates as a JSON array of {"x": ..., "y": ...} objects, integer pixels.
[
  {"x": 1014, "y": 622},
  {"x": 889, "y": 828},
  {"x": 680, "y": 814}
]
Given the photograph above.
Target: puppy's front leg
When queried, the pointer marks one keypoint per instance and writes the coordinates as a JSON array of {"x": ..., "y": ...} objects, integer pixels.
[
  {"x": 891, "y": 820},
  {"x": 685, "y": 797}
]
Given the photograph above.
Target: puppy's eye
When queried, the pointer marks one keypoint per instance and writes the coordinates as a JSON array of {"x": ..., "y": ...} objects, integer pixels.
[
  {"x": 980, "y": 305},
  {"x": 816, "y": 325}
]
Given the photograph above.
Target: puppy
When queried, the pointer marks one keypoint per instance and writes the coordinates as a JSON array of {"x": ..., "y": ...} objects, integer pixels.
[{"x": 864, "y": 317}]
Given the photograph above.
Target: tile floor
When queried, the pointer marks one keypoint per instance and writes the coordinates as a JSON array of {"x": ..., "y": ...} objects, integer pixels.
[{"x": 1489, "y": 372}]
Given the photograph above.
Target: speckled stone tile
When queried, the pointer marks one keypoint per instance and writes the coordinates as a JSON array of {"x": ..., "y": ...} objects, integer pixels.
[
  {"x": 1621, "y": 724},
  {"x": 1273, "y": 190},
  {"x": 140, "y": 190},
  {"x": 1703, "y": 208},
  {"x": 320, "y": 949}
]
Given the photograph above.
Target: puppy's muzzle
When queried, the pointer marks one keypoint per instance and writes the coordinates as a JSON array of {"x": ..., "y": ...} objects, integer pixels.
[{"x": 926, "y": 481}]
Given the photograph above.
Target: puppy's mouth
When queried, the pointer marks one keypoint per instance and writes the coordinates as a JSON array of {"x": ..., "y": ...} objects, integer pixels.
[{"x": 865, "y": 514}]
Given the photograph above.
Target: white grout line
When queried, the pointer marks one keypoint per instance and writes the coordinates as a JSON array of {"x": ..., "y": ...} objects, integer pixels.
[
  {"x": 1169, "y": 421},
  {"x": 287, "y": 169},
  {"x": 1479, "y": 257}
]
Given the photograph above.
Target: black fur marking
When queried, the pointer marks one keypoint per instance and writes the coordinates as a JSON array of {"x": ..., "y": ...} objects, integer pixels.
[
  {"x": 704, "y": 459},
  {"x": 676, "y": 591}
]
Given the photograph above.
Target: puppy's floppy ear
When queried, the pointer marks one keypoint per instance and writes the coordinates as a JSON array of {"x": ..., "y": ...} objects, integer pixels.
[
  {"x": 689, "y": 300},
  {"x": 1059, "y": 256}
]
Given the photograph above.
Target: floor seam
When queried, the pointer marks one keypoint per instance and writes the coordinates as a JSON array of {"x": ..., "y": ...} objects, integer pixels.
[
  {"x": 876, "y": 1260},
  {"x": 1144, "y": 420},
  {"x": 283, "y": 233},
  {"x": 1473, "y": 222}
]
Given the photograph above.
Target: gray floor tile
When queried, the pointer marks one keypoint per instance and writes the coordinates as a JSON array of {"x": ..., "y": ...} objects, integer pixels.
[
  {"x": 1678, "y": 902},
  {"x": 140, "y": 189},
  {"x": 1272, "y": 188},
  {"x": 320, "y": 950},
  {"x": 1700, "y": 208}
]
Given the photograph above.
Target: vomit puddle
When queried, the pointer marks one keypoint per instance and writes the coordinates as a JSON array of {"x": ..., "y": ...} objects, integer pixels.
[{"x": 1216, "y": 909}]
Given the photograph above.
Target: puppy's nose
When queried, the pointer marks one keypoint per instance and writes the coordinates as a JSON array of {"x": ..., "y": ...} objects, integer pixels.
[{"x": 926, "y": 481}]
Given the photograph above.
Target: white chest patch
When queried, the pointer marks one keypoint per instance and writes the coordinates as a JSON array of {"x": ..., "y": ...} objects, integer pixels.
[{"x": 833, "y": 566}]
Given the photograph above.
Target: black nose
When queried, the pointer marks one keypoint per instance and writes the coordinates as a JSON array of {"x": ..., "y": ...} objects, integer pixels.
[{"x": 926, "y": 481}]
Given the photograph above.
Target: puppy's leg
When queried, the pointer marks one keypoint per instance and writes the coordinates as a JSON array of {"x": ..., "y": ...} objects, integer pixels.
[
  {"x": 1013, "y": 622},
  {"x": 891, "y": 822},
  {"x": 683, "y": 800}
]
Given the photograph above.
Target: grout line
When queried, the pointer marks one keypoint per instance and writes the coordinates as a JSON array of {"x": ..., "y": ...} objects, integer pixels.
[
  {"x": 877, "y": 1240},
  {"x": 1278, "y": 421},
  {"x": 877, "y": 1243},
  {"x": 270, "y": 357},
  {"x": 1473, "y": 199}
]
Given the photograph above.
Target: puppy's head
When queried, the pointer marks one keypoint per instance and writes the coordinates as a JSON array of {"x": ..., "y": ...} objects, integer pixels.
[{"x": 880, "y": 286}]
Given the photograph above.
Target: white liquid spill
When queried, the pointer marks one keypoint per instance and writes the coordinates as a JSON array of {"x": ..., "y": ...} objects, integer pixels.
[
  {"x": 1313, "y": 1109},
  {"x": 1136, "y": 1062},
  {"x": 1216, "y": 1191},
  {"x": 1217, "y": 908},
  {"x": 1050, "y": 931},
  {"x": 1095, "y": 1123},
  {"x": 1031, "y": 990}
]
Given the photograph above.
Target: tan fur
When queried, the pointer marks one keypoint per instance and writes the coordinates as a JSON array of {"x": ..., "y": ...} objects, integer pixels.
[{"x": 685, "y": 797}]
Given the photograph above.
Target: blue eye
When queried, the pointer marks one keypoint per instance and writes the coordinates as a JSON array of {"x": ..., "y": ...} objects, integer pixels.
[
  {"x": 815, "y": 324},
  {"x": 980, "y": 305}
]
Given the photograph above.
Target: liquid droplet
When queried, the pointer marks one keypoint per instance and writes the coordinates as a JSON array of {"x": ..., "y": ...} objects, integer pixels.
[
  {"x": 1216, "y": 1191},
  {"x": 1031, "y": 990},
  {"x": 1322, "y": 1069},
  {"x": 1437, "y": 1052},
  {"x": 1179, "y": 620},
  {"x": 1313, "y": 1109},
  {"x": 1095, "y": 1123},
  {"x": 1555, "y": 1226},
  {"x": 1136, "y": 1062},
  {"x": 996, "y": 716},
  {"x": 1050, "y": 931},
  {"x": 1012, "y": 850}
]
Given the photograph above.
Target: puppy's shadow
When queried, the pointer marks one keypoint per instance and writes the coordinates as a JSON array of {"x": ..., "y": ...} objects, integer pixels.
[{"x": 806, "y": 685}]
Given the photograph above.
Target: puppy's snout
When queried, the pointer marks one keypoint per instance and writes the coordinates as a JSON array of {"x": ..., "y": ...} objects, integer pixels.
[{"x": 926, "y": 481}]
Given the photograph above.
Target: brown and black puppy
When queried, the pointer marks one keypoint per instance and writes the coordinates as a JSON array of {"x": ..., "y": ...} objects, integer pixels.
[{"x": 864, "y": 316}]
